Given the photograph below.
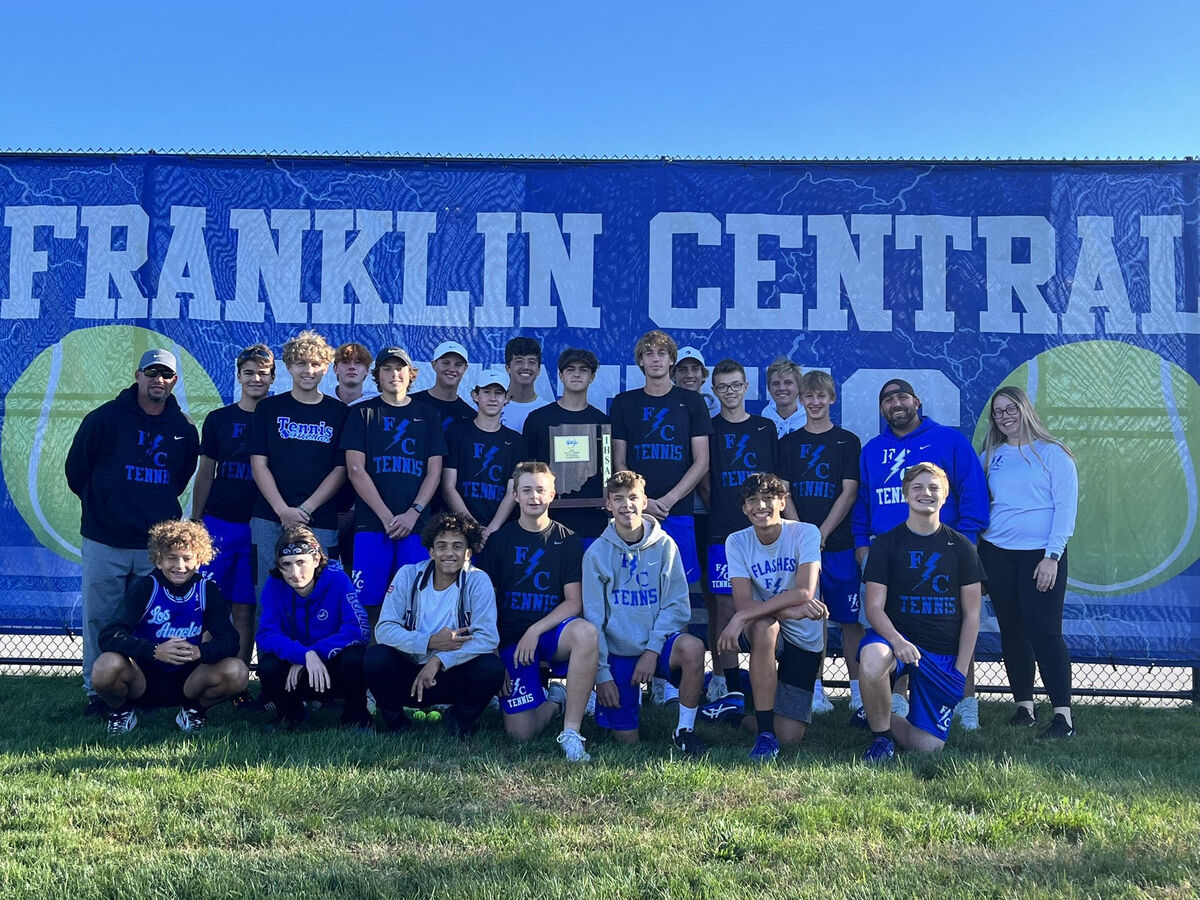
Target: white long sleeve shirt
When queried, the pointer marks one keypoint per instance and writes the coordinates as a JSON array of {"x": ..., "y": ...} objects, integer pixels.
[{"x": 1035, "y": 497}]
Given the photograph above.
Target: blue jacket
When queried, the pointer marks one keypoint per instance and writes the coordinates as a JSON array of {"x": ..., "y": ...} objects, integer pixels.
[
  {"x": 881, "y": 506},
  {"x": 328, "y": 620}
]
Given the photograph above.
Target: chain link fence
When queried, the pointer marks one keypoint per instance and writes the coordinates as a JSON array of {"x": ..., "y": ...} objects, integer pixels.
[{"x": 1161, "y": 686}]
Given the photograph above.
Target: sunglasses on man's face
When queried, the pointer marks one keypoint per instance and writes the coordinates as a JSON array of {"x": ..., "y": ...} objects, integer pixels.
[{"x": 158, "y": 372}]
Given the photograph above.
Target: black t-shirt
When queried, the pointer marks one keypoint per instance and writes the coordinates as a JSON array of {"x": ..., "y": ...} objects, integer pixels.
[
  {"x": 398, "y": 442},
  {"x": 529, "y": 570},
  {"x": 736, "y": 450},
  {"x": 815, "y": 465},
  {"x": 301, "y": 443},
  {"x": 451, "y": 411},
  {"x": 225, "y": 438},
  {"x": 924, "y": 574},
  {"x": 658, "y": 433},
  {"x": 483, "y": 462},
  {"x": 585, "y": 521}
]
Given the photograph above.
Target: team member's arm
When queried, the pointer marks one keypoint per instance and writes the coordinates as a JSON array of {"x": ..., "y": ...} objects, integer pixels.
[
  {"x": 272, "y": 637},
  {"x": 618, "y": 454},
  {"x": 697, "y": 470},
  {"x": 392, "y": 629},
  {"x": 118, "y": 637},
  {"x": 974, "y": 510},
  {"x": 356, "y": 469},
  {"x": 503, "y": 512},
  {"x": 860, "y": 514},
  {"x": 223, "y": 638},
  {"x": 481, "y": 606},
  {"x": 187, "y": 466},
  {"x": 1064, "y": 494},
  {"x": 454, "y": 500},
  {"x": 326, "y": 489},
  {"x": 839, "y": 510},
  {"x": 206, "y": 473},
  {"x": 674, "y": 613},
  {"x": 876, "y": 576},
  {"x": 596, "y": 582},
  {"x": 85, "y": 449},
  {"x": 572, "y": 605},
  {"x": 970, "y": 599},
  {"x": 351, "y": 612}
]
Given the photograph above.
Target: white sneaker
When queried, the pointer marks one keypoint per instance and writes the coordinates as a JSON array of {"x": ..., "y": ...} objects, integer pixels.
[
  {"x": 667, "y": 694},
  {"x": 716, "y": 690},
  {"x": 190, "y": 719},
  {"x": 656, "y": 691},
  {"x": 122, "y": 721},
  {"x": 899, "y": 705},
  {"x": 371, "y": 707},
  {"x": 572, "y": 743},
  {"x": 821, "y": 703},
  {"x": 590, "y": 709},
  {"x": 967, "y": 712}
]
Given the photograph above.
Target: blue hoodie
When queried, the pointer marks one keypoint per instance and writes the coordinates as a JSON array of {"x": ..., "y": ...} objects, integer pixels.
[
  {"x": 328, "y": 620},
  {"x": 881, "y": 506}
]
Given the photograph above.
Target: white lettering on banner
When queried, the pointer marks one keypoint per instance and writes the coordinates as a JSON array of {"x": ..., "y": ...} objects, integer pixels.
[
  {"x": 933, "y": 231},
  {"x": 259, "y": 261},
  {"x": 343, "y": 266},
  {"x": 1005, "y": 277},
  {"x": 1164, "y": 316},
  {"x": 861, "y": 272},
  {"x": 749, "y": 270},
  {"x": 571, "y": 271},
  {"x": 107, "y": 266},
  {"x": 847, "y": 259},
  {"x": 186, "y": 269},
  {"x": 495, "y": 228},
  {"x": 663, "y": 228},
  {"x": 24, "y": 261}
]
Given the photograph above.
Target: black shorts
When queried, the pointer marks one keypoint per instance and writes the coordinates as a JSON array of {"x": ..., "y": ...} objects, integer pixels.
[{"x": 164, "y": 687}]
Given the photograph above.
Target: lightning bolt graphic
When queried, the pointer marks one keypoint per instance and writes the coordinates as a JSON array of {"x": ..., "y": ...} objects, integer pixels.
[
  {"x": 741, "y": 449},
  {"x": 533, "y": 561},
  {"x": 816, "y": 458},
  {"x": 487, "y": 461},
  {"x": 657, "y": 423},
  {"x": 631, "y": 563},
  {"x": 898, "y": 465},
  {"x": 399, "y": 435},
  {"x": 929, "y": 569},
  {"x": 158, "y": 439}
]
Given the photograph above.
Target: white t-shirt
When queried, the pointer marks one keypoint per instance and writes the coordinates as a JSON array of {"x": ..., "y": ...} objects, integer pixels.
[
  {"x": 437, "y": 609},
  {"x": 772, "y": 570},
  {"x": 1034, "y": 497},
  {"x": 514, "y": 414}
]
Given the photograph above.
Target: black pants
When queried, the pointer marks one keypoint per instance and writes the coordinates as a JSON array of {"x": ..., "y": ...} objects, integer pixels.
[
  {"x": 346, "y": 680},
  {"x": 467, "y": 687},
  {"x": 1030, "y": 621}
]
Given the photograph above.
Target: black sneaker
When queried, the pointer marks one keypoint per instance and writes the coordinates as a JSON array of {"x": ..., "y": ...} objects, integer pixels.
[
  {"x": 191, "y": 719},
  {"x": 688, "y": 744},
  {"x": 1023, "y": 718},
  {"x": 243, "y": 701},
  {"x": 123, "y": 720},
  {"x": 1059, "y": 728},
  {"x": 95, "y": 706}
]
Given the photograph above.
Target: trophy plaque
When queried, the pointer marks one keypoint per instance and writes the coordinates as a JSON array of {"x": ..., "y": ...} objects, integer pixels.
[{"x": 578, "y": 453}]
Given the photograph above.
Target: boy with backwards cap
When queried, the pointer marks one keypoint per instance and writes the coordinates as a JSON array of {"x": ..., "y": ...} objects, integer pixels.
[
  {"x": 394, "y": 447},
  {"x": 481, "y": 455}
]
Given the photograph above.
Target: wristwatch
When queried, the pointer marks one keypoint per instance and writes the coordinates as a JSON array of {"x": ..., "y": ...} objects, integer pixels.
[
  {"x": 419, "y": 507},
  {"x": 1054, "y": 556}
]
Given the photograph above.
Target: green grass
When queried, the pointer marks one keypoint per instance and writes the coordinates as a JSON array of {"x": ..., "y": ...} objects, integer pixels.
[{"x": 1115, "y": 812}]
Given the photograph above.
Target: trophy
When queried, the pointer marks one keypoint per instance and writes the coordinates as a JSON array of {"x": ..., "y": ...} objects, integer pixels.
[{"x": 578, "y": 453}]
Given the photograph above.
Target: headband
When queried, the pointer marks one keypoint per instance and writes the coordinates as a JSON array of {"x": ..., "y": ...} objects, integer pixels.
[{"x": 298, "y": 549}]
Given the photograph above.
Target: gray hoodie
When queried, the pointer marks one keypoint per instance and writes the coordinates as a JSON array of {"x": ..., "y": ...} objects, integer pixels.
[
  {"x": 635, "y": 594},
  {"x": 474, "y": 606}
]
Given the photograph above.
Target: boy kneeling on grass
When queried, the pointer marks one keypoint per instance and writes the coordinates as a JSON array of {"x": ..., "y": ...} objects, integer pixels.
[
  {"x": 172, "y": 639},
  {"x": 312, "y": 633},
  {"x": 437, "y": 633},
  {"x": 923, "y": 597},
  {"x": 774, "y": 566},
  {"x": 636, "y": 594}
]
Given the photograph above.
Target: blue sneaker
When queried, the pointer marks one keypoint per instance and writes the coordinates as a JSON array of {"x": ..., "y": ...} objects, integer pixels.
[
  {"x": 882, "y": 750},
  {"x": 729, "y": 710},
  {"x": 859, "y": 719},
  {"x": 765, "y": 749}
]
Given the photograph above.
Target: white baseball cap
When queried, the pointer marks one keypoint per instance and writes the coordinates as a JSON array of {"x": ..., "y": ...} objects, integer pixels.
[
  {"x": 488, "y": 377},
  {"x": 689, "y": 353},
  {"x": 450, "y": 347}
]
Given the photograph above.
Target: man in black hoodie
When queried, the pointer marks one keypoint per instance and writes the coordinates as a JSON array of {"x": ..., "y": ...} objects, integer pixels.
[{"x": 131, "y": 459}]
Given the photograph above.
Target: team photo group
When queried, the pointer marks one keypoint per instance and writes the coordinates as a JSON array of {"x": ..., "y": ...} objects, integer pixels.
[{"x": 432, "y": 554}]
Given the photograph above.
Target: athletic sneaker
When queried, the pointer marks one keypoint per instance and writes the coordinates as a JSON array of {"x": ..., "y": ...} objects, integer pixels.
[
  {"x": 821, "y": 703},
  {"x": 900, "y": 705},
  {"x": 967, "y": 711},
  {"x": 191, "y": 718},
  {"x": 1023, "y": 718},
  {"x": 557, "y": 693},
  {"x": 765, "y": 748},
  {"x": 859, "y": 718},
  {"x": 717, "y": 688},
  {"x": 662, "y": 692},
  {"x": 1059, "y": 728},
  {"x": 590, "y": 709},
  {"x": 729, "y": 710},
  {"x": 688, "y": 744},
  {"x": 371, "y": 707},
  {"x": 243, "y": 701},
  {"x": 572, "y": 743},
  {"x": 121, "y": 721},
  {"x": 96, "y": 706},
  {"x": 882, "y": 750}
]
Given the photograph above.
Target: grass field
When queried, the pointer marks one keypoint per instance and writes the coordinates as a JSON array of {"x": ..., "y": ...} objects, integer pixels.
[{"x": 1114, "y": 812}]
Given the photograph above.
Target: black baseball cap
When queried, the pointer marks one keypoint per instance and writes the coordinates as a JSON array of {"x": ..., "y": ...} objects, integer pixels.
[{"x": 895, "y": 386}]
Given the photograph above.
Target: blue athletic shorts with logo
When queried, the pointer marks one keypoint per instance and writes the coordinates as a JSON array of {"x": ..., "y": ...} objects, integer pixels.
[
  {"x": 840, "y": 583},
  {"x": 377, "y": 559},
  {"x": 626, "y": 716},
  {"x": 682, "y": 530},
  {"x": 718, "y": 570},
  {"x": 527, "y": 691},
  {"x": 934, "y": 688},
  {"x": 233, "y": 567}
]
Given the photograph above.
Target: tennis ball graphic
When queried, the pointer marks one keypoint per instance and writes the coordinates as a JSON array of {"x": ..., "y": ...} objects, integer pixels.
[
  {"x": 1130, "y": 418},
  {"x": 43, "y": 410}
]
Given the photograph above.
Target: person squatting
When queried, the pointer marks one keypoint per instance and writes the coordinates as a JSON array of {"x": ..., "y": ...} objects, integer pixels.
[{"x": 403, "y": 554}]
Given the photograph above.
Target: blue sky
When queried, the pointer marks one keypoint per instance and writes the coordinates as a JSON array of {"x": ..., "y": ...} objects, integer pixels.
[{"x": 918, "y": 79}]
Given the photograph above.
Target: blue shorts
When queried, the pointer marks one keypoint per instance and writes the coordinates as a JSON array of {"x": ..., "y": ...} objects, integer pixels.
[
  {"x": 377, "y": 559},
  {"x": 718, "y": 570},
  {"x": 625, "y": 717},
  {"x": 840, "y": 583},
  {"x": 527, "y": 691},
  {"x": 233, "y": 567},
  {"x": 934, "y": 688},
  {"x": 682, "y": 530}
]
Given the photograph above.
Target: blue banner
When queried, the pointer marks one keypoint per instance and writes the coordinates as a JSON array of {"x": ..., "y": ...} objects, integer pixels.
[{"x": 1076, "y": 281}]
